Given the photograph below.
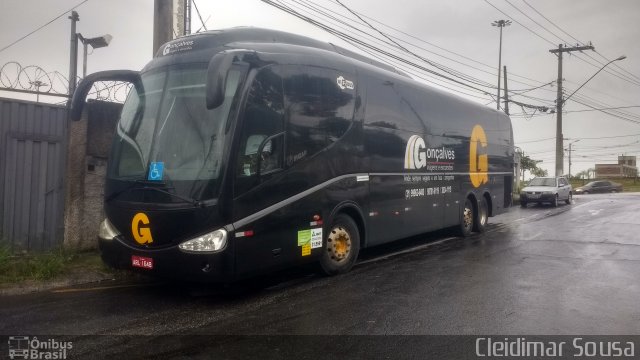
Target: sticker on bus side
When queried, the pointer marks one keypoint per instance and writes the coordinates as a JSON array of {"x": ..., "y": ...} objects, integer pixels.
[
  {"x": 309, "y": 239},
  {"x": 306, "y": 249},
  {"x": 316, "y": 238}
]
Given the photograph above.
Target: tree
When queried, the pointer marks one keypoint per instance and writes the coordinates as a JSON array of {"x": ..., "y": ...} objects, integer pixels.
[
  {"x": 528, "y": 164},
  {"x": 539, "y": 172},
  {"x": 584, "y": 174}
]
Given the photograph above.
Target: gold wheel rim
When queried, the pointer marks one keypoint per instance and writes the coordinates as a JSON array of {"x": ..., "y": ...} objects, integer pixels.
[
  {"x": 339, "y": 244},
  {"x": 467, "y": 217}
]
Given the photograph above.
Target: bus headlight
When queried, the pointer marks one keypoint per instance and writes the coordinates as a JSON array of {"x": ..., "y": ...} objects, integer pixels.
[
  {"x": 211, "y": 242},
  {"x": 107, "y": 231}
]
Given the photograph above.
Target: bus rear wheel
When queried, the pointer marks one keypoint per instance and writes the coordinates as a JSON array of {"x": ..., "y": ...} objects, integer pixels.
[
  {"x": 342, "y": 245},
  {"x": 480, "y": 223}
]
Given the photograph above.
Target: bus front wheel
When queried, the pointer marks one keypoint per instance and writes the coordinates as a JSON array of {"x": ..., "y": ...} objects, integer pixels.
[
  {"x": 342, "y": 245},
  {"x": 466, "y": 219}
]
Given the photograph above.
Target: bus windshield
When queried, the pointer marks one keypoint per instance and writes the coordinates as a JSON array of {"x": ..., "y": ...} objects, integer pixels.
[{"x": 167, "y": 135}]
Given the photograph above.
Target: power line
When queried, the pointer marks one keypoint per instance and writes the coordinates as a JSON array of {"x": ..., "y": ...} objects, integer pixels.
[
  {"x": 491, "y": 67},
  {"x": 551, "y": 22},
  {"x": 199, "y": 16},
  {"x": 625, "y": 78},
  {"x": 597, "y": 104},
  {"x": 436, "y": 65},
  {"x": 390, "y": 42},
  {"x": 363, "y": 43},
  {"x": 404, "y": 67},
  {"x": 533, "y": 141},
  {"x": 571, "y": 36},
  {"x": 49, "y": 22},
  {"x": 609, "y": 113}
]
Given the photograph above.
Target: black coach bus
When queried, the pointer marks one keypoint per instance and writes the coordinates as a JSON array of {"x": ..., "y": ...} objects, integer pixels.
[{"x": 247, "y": 150}]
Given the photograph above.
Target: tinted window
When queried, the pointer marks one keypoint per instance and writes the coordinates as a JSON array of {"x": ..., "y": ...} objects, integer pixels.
[
  {"x": 319, "y": 110},
  {"x": 263, "y": 118},
  {"x": 387, "y": 107}
]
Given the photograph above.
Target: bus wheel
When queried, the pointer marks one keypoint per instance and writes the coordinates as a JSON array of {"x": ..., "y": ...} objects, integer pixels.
[
  {"x": 341, "y": 246},
  {"x": 483, "y": 216},
  {"x": 466, "y": 219}
]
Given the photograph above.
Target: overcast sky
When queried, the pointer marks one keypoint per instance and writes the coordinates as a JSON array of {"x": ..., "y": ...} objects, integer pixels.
[{"x": 455, "y": 34}]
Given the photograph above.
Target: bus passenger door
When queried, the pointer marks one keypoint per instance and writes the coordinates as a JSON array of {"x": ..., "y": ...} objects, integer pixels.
[{"x": 258, "y": 167}]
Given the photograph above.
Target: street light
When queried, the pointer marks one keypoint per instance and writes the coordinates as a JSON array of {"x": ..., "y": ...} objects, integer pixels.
[
  {"x": 622, "y": 57},
  {"x": 559, "y": 142},
  {"x": 500, "y": 24},
  {"x": 96, "y": 42}
]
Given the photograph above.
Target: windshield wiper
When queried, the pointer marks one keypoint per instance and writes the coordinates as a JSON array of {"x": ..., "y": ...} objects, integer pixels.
[{"x": 145, "y": 183}]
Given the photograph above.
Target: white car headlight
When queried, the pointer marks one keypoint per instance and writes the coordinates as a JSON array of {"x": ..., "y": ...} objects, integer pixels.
[
  {"x": 107, "y": 230},
  {"x": 211, "y": 242}
]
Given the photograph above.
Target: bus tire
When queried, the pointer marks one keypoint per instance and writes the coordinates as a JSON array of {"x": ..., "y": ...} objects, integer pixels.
[
  {"x": 481, "y": 219},
  {"x": 466, "y": 219},
  {"x": 342, "y": 245}
]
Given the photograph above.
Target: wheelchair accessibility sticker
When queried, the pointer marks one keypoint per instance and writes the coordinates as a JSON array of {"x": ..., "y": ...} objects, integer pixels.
[{"x": 155, "y": 171}]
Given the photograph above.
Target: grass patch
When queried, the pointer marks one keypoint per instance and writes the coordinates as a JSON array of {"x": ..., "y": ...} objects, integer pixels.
[{"x": 45, "y": 266}]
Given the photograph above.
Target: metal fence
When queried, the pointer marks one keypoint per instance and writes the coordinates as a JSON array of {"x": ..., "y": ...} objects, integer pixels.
[{"x": 33, "y": 139}]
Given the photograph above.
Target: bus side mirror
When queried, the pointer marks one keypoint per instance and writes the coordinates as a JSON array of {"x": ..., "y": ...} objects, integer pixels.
[
  {"x": 217, "y": 72},
  {"x": 80, "y": 95}
]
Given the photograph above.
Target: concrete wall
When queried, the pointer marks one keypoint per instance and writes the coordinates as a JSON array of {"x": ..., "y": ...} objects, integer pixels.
[{"x": 88, "y": 151}]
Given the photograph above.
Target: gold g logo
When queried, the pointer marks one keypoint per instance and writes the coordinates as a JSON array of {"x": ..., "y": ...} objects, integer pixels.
[
  {"x": 478, "y": 159},
  {"x": 140, "y": 229}
]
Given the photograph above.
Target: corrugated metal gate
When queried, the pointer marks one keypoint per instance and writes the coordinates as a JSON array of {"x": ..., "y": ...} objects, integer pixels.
[{"x": 32, "y": 160}]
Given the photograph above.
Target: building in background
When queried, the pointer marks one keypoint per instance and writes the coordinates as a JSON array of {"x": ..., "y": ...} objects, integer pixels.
[{"x": 626, "y": 167}]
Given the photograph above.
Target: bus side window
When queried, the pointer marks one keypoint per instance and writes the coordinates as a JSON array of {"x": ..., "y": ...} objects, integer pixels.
[
  {"x": 263, "y": 117},
  {"x": 319, "y": 112}
]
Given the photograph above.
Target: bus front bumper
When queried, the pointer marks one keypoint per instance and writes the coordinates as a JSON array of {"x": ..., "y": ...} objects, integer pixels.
[{"x": 169, "y": 262}]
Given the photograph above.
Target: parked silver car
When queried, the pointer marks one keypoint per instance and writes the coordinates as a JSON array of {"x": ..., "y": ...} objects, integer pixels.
[{"x": 546, "y": 190}]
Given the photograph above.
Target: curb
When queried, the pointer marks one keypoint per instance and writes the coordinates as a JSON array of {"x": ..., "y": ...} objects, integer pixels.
[{"x": 67, "y": 280}]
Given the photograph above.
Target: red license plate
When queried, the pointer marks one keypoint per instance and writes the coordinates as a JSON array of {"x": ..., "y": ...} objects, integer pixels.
[{"x": 141, "y": 262}]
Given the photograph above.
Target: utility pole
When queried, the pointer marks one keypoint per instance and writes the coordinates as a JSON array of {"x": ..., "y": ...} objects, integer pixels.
[
  {"x": 162, "y": 23},
  {"x": 519, "y": 155},
  {"x": 559, "y": 103},
  {"x": 571, "y": 143},
  {"x": 187, "y": 17},
  {"x": 500, "y": 24},
  {"x": 73, "y": 56},
  {"x": 506, "y": 92},
  {"x": 570, "y": 162}
]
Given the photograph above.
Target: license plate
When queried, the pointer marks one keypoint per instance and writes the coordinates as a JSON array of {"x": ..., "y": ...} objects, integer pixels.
[
  {"x": 534, "y": 196},
  {"x": 141, "y": 262}
]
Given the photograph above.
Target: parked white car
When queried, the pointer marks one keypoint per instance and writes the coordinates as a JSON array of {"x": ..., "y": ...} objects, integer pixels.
[{"x": 550, "y": 190}]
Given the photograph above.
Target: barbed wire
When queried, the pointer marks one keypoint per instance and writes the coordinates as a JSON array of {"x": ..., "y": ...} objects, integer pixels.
[
  {"x": 113, "y": 91},
  {"x": 33, "y": 78}
]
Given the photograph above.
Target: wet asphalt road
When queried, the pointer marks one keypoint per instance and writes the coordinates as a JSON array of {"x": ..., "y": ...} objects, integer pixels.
[{"x": 574, "y": 269}]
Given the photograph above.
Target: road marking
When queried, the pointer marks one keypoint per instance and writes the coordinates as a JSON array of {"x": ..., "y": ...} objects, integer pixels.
[
  {"x": 97, "y": 288},
  {"x": 405, "y": 251},
  {"x": 527, "y": 217},
  {"x": 595, "y": 212},
  {"x": 534, "y": 236}
]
